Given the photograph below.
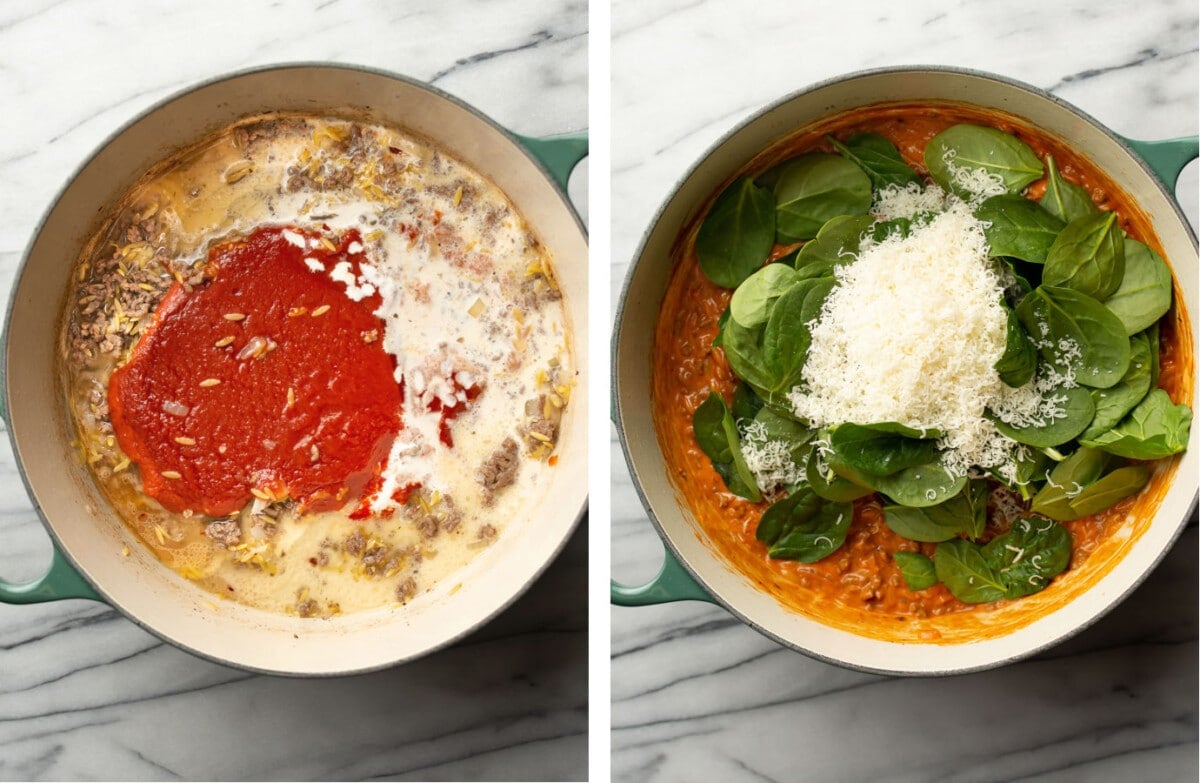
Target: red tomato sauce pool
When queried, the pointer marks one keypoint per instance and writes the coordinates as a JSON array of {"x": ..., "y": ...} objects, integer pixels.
[{"x": 265, "y": 377}]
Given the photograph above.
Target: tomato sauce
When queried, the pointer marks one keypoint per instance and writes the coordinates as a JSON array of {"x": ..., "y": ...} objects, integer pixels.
[
  {"x": 266, "y": 379},
  {"x": 859, "y": 586}
]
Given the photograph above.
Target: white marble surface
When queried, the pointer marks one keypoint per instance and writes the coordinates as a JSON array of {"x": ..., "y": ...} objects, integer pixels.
[
  {"x": 84, "y": 693},
  {"x": 699, "y": 696}
]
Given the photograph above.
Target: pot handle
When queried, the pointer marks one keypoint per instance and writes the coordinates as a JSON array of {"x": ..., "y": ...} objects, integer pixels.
[
  {"x": 60, "y": 581},
  {"x": 1167, "y": 157},
  {"x": 673, "y": 583},
  {"x": 559, "y": 154}
]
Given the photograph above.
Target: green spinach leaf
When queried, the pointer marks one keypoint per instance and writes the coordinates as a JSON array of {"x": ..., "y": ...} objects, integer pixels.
[
  {"x": 924, "y": 485},
  {"x": 1154, "y": 429},
  {"x": 754, "y": 298},
  {"x": 1065, "y": 200},
  {"x": 745, "y": 404},
  {"x": 835, "y": 243},
  {"x": 804, "y": 527},
  {"x": 965, "y": 513},
  {"x": 814, "y": 188},
  {"x": 917, "y": 570},
  {"x": 1144, "y": 295},
  {"x": 1067, "y": 481},
  {"x": 1019, "y": 360},
  {"x": 1018, "y": 227},
  {"x": 1029, "y": 555},
  {"x": 1087, "y": 256},
  {"x": 1077, "y": 409},
  {"x": 1110, "y": 490},
  {"x": 829, "y": 485},
  {"x": 968, "y": 147},
  {"x": 716, "y": 433},
  {"x": 1114, "y": 402},
  {"x": 787, "y": 338},
  {"x": 878, "y": 158},
  {"x": 737, "y": 234},
  {"x": 961, "y": 566},
  {"x": 1051, "y": 315},
  {"x": 880, "y": 452}
]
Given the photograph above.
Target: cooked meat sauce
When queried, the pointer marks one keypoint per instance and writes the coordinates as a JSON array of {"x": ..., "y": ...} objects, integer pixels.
[
  {"x": 860, "y": 587},
  {"x": 293, "y": 353}
]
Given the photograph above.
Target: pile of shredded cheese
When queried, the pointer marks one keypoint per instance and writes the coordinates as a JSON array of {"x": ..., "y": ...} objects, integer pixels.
[{"x": 912, "y": 332}]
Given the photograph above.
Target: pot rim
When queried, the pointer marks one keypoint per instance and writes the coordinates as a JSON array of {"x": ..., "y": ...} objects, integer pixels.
[
  {"x": 672, "y": 550},
  {"x": 479, "y": 116}
]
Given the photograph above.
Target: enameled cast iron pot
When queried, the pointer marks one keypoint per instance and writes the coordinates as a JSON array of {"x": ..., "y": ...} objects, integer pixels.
[
  {"x": 89, "y": 538},
  {"x": 692, "y": 569}
]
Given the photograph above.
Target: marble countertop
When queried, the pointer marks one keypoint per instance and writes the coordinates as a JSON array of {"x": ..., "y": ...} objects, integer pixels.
[
  {"x": 84, "y": 693},
  {"x": 699, "y": 696}
]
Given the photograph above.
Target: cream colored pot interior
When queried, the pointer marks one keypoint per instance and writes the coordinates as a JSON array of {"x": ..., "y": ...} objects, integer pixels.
[
  {"x": 635, "y": 333},
  {"x": 93, "y": 538}
]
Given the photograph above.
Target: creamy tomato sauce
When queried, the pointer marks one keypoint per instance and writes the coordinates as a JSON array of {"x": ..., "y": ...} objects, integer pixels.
[
  {"x": 859, "y": 586},
  {"x": 316, "y": 365}
]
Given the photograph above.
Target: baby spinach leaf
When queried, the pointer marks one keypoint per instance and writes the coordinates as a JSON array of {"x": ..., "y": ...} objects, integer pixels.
[
  {"x": 1051, "y": 315},
  {"x": 961, "y": 566},
  {"x": 1065, "y": 200},
  {"x": 968, "y": 147},
  {"x": 1031, "y": 469},
  {"x": 838, "y": 238},
  {"x": 1067, "y": 481},
  {"x": 804, "y": 527},
  {"x": 878, "y": 157},
  {"x": 814, "y": 188},
  {"x": 787, "y": 338},
  {"x": 1111, "y": 489},
  {"x": 737, "y": 234},
  {"x": 1019, "y": 360},
  {"x": 745, "y": 404},
  {"x": 717, "y": 437},
  {"x": 784, "y": 513},
  {"x": 743, "y": 350},
  {"x": 829, "y": 485},
  {"x": 1088, "y": 256},
  {"x": 770, "y": 426},
  {"x": 1144, "y": 295},
  {"x": 924, "y": 485},
  {"x": 1114, "y": 402},
  {"x": 901, "y": 226},
  {"x": 1154, "y": 429},
  {"x": 1028, "y": 556},
  {"x": 721, "y": 321},
  {"x": 878, "y": 452},
  {"x": 1077, "y": 409},
  {"x": 965, "y": 513},
  {"x": 1018, "y": 227},
  {"x": 754, "y": 298},
  {"x": 917, "y": 570}
]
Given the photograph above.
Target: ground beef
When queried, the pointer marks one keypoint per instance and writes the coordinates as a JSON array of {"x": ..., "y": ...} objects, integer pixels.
[
  {"x": 106, "y": 292},
  {"x": 500, "y": 469},
  {"x": 544, "y": 426},
  {"x": 486, "y": 533},
  {"x": 380, "y": 559},
  {"x": 224, "y": 532},
  {"x": 355, "y": 544},
  {"x": 432, "y": 514},
  {"x": 306, "y": 608},
  {"x": 406, "y": 589},
  {"x": 248, "y": 134}
]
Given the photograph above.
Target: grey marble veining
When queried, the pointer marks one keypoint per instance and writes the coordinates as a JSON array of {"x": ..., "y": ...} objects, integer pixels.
[
  {"x": 84, "y": 693},
  {"x": 699, "y": 696}
]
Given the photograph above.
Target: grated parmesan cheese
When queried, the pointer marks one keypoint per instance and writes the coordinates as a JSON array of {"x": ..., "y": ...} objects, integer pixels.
[
  {"x": 912, "y": 332},
  {"x": 769, "y": 460}
]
